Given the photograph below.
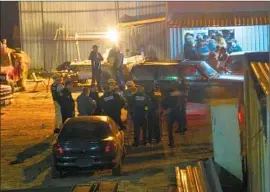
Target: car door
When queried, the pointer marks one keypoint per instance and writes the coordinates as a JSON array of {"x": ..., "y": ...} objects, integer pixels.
[{"x": 198, "y": 83}]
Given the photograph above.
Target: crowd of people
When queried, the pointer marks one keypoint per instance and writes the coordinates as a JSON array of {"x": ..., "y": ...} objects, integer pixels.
[
  {"x": 144, "y": 110},
  {"x": 214, "y": 49}
]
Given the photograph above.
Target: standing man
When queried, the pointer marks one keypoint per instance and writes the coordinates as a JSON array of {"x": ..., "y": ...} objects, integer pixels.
[
  {"x": 127, "y": 94},
  {"x": 67, "y": 102},
  {"x": 116, "y": 59},
  {"x": 86, "y": 105},
  {"x": 154, "y": 124},
  {"x": 96, "y": 59},
  {"x": 94, "y": 95},
  {"x": 56, "y": 88},
  {"x": 140, "y": 104},
  {"x": 112, "y": 104},
  {"x": 172, "y": 104}
]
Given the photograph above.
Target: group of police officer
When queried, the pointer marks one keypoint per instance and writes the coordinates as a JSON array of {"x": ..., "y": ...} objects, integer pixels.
[{"x": 143, "y": 109}]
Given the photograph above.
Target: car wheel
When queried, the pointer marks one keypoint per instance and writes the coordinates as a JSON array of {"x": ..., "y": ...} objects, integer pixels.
[
  {"x": 117, "y": 171},
  {"x": 56, "y": 173}
]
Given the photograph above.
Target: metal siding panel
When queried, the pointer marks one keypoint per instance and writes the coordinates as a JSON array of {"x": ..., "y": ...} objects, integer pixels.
[{"x": 83, "y": 17}]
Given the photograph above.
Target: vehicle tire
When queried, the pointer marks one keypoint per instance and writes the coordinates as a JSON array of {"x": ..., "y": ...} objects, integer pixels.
[
  {"x": 56, "y": 173},
  {"x": 117, "y": 171}
]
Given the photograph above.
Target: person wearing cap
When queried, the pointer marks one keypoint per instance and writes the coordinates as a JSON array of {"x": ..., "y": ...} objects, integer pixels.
[
  {"x": 140, "y": 104},
  {"x": 86, "y": 105},
  {"x": 56, "y": 88},
  {"x": 96, "y": 59},
  {"x": 112, "y": 103},
  {"x": 67, "y": 102},
  {"x": 131, "y": 89}
]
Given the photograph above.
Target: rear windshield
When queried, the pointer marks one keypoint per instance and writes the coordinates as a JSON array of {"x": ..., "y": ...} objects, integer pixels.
[
  {"x": 85, "y": 130},
  {"x": 144, "y": 73},
  {"x": 150, "y": 73}
]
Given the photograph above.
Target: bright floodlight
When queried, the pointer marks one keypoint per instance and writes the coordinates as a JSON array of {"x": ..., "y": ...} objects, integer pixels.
[{"x": 113, "y": 35}]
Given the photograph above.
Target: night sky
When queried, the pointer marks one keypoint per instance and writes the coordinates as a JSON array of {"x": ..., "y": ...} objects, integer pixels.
[{"x": 9, "y": 19}]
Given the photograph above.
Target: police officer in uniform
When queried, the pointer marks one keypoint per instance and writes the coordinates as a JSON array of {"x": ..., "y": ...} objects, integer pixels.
[
  {"x": 56, "y": 88},
  {"x": 140, "y": 103},
  {"x": 112, "y": 104},
  {"x": 154, "y": 124},
  {"x": 172, "y": 104},
  {"x": 131, "y": 89},
  {"x": 67, "y": 102}
]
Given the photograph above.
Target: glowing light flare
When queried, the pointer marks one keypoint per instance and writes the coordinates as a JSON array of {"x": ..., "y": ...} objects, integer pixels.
[{"x": 112, "y": 35}]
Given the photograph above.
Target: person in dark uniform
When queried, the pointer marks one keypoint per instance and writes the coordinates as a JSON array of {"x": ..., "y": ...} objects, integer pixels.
[
  {"x": 140, "y": 103},
  {"x": 112, "y": 104},
  {"x": 96, "y": 59},
  {"x": 67, "y": 102},
  {"x": 182, "y": 128},
  {"x": 154, "y": 124},
  {"x": 172, "y": 104},
  {"x": 94, "y": 95},
  {"x": 116, "y": 59}
]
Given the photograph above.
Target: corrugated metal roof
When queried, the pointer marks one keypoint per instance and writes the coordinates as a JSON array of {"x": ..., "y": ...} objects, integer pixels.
[
  {"x": 261, "y": 71},
  {"x": 203, "y": 14}
]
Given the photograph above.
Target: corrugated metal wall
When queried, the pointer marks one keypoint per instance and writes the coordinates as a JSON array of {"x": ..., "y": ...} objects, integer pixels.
[
  {"x": 40, "y": 20},
  {"x": 250, "y": 38}
]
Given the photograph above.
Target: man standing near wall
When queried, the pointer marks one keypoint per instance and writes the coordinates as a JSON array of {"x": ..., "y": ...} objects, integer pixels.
[{"x": 96, "y": 59}]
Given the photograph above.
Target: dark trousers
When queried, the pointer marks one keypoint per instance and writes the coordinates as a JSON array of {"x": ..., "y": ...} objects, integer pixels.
[
  {"x": 96, "y": 75},
  {"x": 154, "y": 127},
  {"x": 174, "y": 116},
  {"x": 117, "y": 118},
  {"x": 140, "y": 122},
  {"x": 118, "y": 75},
  {"x": 66, "y": 113}
]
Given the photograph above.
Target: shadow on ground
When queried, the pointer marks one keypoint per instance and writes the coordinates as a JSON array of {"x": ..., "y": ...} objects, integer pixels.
[{"x": 33, "y": 151}]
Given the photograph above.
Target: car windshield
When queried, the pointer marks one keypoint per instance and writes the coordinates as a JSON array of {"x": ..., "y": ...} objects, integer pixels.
[
  {"x": 4, "y": 60},
  {"x": 85, "y": 130},
  {"x": 151, "y": 73},
  {"x": 208, "y": 70}
]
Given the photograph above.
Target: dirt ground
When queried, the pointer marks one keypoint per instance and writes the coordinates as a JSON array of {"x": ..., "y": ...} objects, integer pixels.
[{"x": 27, "y": 136}]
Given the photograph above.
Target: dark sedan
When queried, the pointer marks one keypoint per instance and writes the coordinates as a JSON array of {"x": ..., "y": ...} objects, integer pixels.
[{"x": 91, "y": 142}]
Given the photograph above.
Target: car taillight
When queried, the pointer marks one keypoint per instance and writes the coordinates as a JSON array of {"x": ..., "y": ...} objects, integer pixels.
[
  {"x": 58, "y": 149},
  {"x": 240, "y": 117},
  {"x": 110, "y": 147}
]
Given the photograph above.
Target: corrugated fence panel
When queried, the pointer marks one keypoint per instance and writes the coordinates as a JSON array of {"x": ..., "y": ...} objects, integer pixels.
[
  {"x": 31, "y": 29},
  {"x": 250, "y": 38},
  {"x": 84, "y": 17}
]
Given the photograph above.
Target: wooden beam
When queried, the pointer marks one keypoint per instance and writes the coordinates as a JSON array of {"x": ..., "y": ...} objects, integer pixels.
[{"x": 142, "y": 22}]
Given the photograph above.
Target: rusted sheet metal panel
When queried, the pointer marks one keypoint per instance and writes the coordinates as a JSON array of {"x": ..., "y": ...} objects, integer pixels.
[
  {"x": 82, "y": 17},
  {"x": 250, "y": 38},
  {"x": 261, "y": 71},
  {"x": 255, "y": 138}
]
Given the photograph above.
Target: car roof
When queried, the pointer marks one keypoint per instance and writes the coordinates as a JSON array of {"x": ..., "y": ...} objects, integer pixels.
[
  {"x": 104, "y": 119},
  {"x": 160, "y": 62}
]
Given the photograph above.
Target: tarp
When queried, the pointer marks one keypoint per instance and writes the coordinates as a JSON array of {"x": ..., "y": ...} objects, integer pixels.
[{"x": 205, "y": 14}]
